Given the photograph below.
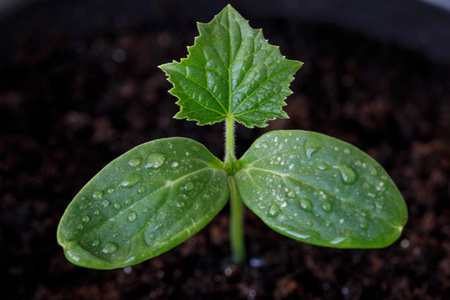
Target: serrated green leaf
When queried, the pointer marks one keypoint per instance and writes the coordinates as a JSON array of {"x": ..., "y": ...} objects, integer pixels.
[
  {"x": 143, "y": 203},
  {"x": 320, "y": 190},
  {"x": 231, "y": 71}
]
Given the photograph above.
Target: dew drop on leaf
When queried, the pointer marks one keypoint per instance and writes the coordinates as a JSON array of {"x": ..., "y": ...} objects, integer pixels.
[
  {"x": 106, "y": 203},
  {"x": 155, "y": 160},
  {"x": 188, "y": 186},
  {"x": 312, "y": 145},
  {"x": 134, "y": 162},
  {"x": 97, "y": 195},
  {"x": 327, "y": 206},
  {"x": 175, "y": 164},
  {"x": 338, "y": 240},
  {"x": 290, "y": 194},
  {"x": 305, "y": 204},
  {"x": 149, "y": 235},
  {"x": 141, "y": 189},
  {"x": 179, "y": 204},
  {"x": 117, "y": 205},
  {"x": 96, "y": 212},
  {"x": 348, "y": 175},
  {"x": 86, "y": 219},
  {"x": 323, "y": 166},
  {"x": 128, "y": 200},
  {"x": 274, "y": 210},
  {"x": 110, "y": 248},
  {"x": 308, "y": 223},
  {"x": 80, "y": 227},
  {"x": 363, "y": 225},
  {"x": 132, "y": 216},
  {"x": 131, "y": 180},
  {"x": 95, "y": 243},
  {"x": 110, "y": 191}
]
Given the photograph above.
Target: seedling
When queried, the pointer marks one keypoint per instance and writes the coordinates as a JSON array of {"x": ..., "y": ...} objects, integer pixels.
[{"x": 304, "y": 185}]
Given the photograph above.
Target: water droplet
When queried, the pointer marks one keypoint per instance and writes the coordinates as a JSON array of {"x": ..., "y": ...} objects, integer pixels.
[
  {"x": 155, "y": 160},
  {"x": 134, "y": 162},
  {"x": 110, "y": 248},
  {"x": 129, "y": 200},
  {"x": 312, "y": 145},
  {"x": 327, "y": 206},
  {"x": 179, "y": 204},
  {"x": 117, "y": 205},
  {"x": 141, "y": 189},
  {"x": 323, "y": 166},
  {"x": 110, "y": 191},
  {"x": 347, "y": 151},
  {"x": 295, "y": 233},
  {"x": 96, "y": 212},
  {"x": 97, "y": 195},
  {"x": 105, "y": 203},
  {"x": 188, "y": 186},
  {"x": 80, "y": 227},
  {"x": 363, "y": 225},
  {"x": 73, "y": 255},
  {"x": 348, "y": 175},
  {"x": 86, "y": 219},
  {"x": 274, "y": 210},
  {"x": 145, "y": 210},
  {"x": 308, "y": 223},
  {"x": 175, "y": 164},
  {"x": 95, "y": 243},
  {"x": 132, "y": 216},
  {"x": 131, "y": 180},
  {"x": 83, "y": 206},
  {"x": 290, "y": 194},
  {"x": 305, "y": 204},
  {"x": 264, "y": 145},
  {"x": 338, "y": 240},
  {"x": 373, "y": 171}
]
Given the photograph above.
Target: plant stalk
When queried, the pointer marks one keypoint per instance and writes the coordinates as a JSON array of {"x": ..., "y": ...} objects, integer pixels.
[
  {"x": 236, "y": 223},
  {"x": 236, "y": 206}
]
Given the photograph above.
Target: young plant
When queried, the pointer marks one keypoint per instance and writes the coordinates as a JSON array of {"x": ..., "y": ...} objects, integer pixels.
[{"x": 305, "y": 185}]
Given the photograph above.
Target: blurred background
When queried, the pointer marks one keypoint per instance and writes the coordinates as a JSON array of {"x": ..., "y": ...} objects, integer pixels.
[{"x": 79, "y": 85}]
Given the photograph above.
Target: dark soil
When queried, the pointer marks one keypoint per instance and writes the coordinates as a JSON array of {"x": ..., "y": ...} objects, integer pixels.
[{"x": 70, "y": 105}]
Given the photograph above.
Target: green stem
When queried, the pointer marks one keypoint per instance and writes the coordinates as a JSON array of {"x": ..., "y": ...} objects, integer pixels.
[
  {"x": 230, "y": 158},
  {"x": 236, "y": 206},
  {"x": 236, "y": 223}
]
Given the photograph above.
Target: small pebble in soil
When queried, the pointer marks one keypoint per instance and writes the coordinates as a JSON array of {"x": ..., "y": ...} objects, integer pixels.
[
  {"x": 404, "y": 243},
  {"x": 345, "y": 290},
  {"x": 256, "y": 262}
]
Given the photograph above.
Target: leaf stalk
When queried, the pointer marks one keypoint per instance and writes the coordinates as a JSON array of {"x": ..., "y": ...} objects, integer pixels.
[{"x": 236, "y": 205}]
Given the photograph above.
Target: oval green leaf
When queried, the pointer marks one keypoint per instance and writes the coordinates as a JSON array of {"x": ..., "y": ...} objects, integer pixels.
[
  {"x": 320, "y": 190},
  {"x": 143, "y": 203}
]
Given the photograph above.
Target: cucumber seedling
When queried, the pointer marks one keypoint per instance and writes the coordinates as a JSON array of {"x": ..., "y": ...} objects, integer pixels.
[{"x": 304, "y": 185}]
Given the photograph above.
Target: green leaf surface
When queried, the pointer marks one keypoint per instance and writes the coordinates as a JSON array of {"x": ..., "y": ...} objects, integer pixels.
[
  {"x": 320, "y": 190},
  {"x": 143, "y": 203},
  {"x": 231, "y": 71}
]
